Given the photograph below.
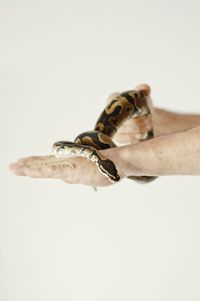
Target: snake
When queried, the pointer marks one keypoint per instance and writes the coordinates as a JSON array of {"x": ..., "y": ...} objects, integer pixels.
[{"x": 125, "y": 105}]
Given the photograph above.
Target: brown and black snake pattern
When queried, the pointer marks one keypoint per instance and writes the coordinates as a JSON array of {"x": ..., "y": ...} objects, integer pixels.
[{"x": 129, "y": 104}]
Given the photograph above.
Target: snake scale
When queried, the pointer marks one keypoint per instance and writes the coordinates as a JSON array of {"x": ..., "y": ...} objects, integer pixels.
[{"x": 128, "y": 104}]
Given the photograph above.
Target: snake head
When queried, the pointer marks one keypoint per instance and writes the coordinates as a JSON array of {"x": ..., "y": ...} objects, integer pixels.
[{"x": 108, "y": 169}]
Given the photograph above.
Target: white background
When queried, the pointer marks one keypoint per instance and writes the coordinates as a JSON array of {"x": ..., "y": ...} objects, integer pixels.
[{"x": 59, "y": 62}]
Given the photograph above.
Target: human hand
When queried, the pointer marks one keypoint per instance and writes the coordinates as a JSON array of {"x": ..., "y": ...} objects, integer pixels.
[
  {"x": 134, "y": 129},
  {"x": 70, "y": 170},
  {"x": 164, "y": 122}
]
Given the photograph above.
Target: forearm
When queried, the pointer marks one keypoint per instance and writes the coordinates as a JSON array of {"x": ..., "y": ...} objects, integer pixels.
[
  {"x": 166, "y": 122},
  {"x": 176, "y": 154}
]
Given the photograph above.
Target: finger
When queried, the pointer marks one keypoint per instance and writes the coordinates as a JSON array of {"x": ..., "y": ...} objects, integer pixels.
[
  {"x": 143, "y": 87},
  {"x": 39, "y": 161},
  {"x": 40, "y": 166},
  {"x": 98, "y": 181},
  {"x": 54, "y": 169},
  {"x": 17, "y": 169},
  {"x": 125, "y": 138},
  {"x": 33, "y": 161},
  {"x": 39, "y": 171},
  {"x": 146, "y": 120},
  {"x": 134, "y": 130},
  {"x": 137, "y": 123},
  {"x": 29, "y": 158},
  {"x": 34, "y": 172}
]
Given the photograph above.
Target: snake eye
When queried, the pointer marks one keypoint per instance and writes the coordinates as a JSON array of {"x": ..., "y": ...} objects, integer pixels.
[{"x": 95, "y": 158}]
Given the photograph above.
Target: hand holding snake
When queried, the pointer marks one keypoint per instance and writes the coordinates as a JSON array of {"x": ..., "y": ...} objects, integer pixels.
[{"x": 123, "y": 106}]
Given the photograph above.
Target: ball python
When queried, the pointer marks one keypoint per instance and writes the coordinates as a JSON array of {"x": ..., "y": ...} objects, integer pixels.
[{"x": 128, "y": 104}]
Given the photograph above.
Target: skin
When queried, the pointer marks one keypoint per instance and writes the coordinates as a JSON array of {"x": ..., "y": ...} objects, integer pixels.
[{"x": 174, "y": 151}]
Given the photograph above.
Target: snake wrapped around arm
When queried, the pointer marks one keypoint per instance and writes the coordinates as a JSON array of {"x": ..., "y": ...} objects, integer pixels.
[{"x": 128, "y": 104}]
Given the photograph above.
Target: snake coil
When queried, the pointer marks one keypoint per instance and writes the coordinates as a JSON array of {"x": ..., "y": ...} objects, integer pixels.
[{"x": 128, "y": 104}]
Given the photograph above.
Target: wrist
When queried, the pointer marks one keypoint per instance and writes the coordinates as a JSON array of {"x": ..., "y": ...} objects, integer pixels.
[{"x": 137, "y": 159}]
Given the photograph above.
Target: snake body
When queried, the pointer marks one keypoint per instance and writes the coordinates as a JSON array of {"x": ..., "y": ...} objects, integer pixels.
[{"x": 128, "y": 104}]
